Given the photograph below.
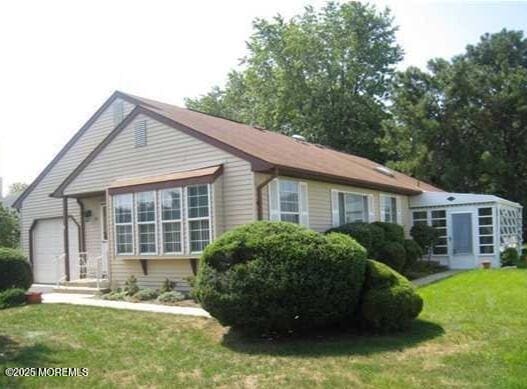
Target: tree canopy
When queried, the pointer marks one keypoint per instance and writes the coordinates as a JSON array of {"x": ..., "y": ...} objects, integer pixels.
[
  {"x": 463, "y": 123},
  {"x": 9, "y": 228},
  {"x": 322, "y": 74}
]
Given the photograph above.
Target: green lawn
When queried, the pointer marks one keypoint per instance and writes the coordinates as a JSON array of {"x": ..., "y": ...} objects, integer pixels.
[{"x": 472, "y": 333}]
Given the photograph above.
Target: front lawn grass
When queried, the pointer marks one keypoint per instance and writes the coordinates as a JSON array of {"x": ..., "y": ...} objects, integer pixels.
[{"x": 472, "y": 333}]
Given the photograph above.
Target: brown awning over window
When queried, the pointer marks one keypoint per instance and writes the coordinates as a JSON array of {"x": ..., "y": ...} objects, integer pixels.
[{"x": 171, "y": 180}]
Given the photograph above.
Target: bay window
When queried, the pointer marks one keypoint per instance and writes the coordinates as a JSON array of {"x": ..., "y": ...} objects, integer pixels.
[
  {"x": 154, "y": 222},
  {"x": 171, "y": 220},
  {"x": 198, "y": 217},
  {"x": 124, "y": 242}
]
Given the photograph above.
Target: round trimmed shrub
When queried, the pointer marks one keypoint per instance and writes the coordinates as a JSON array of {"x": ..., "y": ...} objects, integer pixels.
[
  {"x": 12, "y": 298},
  {"x": 509, "y": 257},
  {"x": 369, "y": 236},
  {"x": 393, "y": 254},
  {"x": 392, "y": 232},
  {"x": 269, "y": 277},
  {"x": 389, "y": 301},
  {"x": 15, "y": 271},
  {"x": 413, "y": 252}
]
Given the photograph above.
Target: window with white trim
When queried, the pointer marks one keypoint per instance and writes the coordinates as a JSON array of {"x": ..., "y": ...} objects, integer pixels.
[
  {"x": 389, "y": 209},
  {"x": 420, "y": 217},
  {"x": 438, "y": 218},
  {"x": 486, "y": 230},
  {"x": 171, "y": 220},
  {"x": 146, "y": 222},
  {"x": 352, "y": 207},
  {"x": 124, "y": 229},
  {"x": 198, "y": 217},
  {"x": 289, "y": 201}
]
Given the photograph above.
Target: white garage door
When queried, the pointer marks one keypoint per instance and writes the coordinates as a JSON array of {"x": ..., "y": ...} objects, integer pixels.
[{"x": 48, "y": 244}]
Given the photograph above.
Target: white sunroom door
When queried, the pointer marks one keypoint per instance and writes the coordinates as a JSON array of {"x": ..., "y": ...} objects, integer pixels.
[{"x": 462, "y": 241}]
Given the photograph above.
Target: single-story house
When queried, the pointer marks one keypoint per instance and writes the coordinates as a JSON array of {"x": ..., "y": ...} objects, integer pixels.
[{"x": 144, "y": 186}]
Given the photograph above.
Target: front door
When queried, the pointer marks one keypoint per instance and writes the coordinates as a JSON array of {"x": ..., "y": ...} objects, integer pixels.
[
  {"x": 104, "y": 239},
  {"x": 462, "y": 244}
]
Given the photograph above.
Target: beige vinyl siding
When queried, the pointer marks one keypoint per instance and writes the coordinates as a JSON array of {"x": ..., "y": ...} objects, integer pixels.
[
  {"x": 38, "y": 204},
  {"x": 168, "y": 150},
  {"x": 93, "y": 225},
  {"x": 319, "y": 199}
]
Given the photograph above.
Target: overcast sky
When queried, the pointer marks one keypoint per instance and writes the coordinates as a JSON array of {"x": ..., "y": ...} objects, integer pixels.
[{"x": 59, "y": 60}]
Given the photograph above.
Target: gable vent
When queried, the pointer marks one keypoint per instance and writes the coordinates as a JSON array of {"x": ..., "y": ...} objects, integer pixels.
[{"x": 140, "y": 133}]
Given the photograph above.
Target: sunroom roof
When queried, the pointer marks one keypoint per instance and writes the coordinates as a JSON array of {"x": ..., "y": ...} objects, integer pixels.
[{"x": 435, "y": 199}]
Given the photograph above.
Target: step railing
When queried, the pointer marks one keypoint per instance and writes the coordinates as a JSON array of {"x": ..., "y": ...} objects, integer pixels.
[{"x": 82, "y": 266}]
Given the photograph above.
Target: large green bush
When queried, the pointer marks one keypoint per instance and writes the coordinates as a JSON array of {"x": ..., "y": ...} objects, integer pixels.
[
  {"x": 392, "y": 232},
  {"x": 389, "y": 301},
  {"x": 370, "y": 236},
  {"x": 12, "y": 298},
  {"x": 15, "y": 271},
  {"x": 393, "y": 254},
  {"x": 280, "y": 277}
]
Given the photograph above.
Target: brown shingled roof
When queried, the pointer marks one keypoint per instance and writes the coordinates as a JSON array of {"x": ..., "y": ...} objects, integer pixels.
[{"x": 290, "y": 156}]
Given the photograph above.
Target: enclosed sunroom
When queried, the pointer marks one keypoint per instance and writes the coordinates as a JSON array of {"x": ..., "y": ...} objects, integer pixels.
[{"x": 474, "y": 228}]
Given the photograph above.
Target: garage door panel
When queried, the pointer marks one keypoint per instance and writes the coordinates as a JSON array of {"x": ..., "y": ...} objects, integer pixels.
[{"x": 48, "y": 244}]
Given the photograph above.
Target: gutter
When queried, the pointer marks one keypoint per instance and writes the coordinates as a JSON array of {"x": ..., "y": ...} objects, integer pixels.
[{"x": 259, "y": 188}]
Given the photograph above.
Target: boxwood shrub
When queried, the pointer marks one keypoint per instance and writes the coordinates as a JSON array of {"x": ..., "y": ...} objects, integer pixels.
[
  {"x": 393, "y": 254},
  {"x": 389, "y": 301},
  {"x": 392, "y": 232},
  {"x": 15, "y": 271},
  {"x": 370, "y": 236},
  {"x": 268, "y": 277},
  {"x": 12, "y": 298},
  {"x": 413, "y": 252}
]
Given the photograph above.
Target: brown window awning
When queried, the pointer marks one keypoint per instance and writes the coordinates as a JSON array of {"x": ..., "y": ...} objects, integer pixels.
[{"x": 171, "y": 180}]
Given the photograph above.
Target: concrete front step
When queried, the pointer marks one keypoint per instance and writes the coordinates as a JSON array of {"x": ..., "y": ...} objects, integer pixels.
[
  {"x": 80, "y": 289},
  {"x": 86, "y": 282}
]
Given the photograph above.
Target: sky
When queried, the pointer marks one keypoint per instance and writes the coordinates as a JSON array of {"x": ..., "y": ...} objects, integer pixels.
[{"x": 60, "y": 60}]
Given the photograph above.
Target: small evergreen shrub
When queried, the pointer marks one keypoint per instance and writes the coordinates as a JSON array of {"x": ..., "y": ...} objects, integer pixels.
[
  {"x": 146, "y": 294},
  {"x": 392, "y": 232},
  {"x": 389, "y": 301},
  {"x": 268, "y": 277},
  {"x": 130, "y": 286},
  {"x": 167, "y": 286},
  {"x": 15, "y": 271},
  {"x": 413, "y": 253},
  {"x": 115, "y": 295},
  {"x": 171, "y": 297},
  {"x": 393, "y": 254},
  {"x": 425, "y": 236},
  {"x": 12, "y": 298},
  {"x": 510, "y": 257}
]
